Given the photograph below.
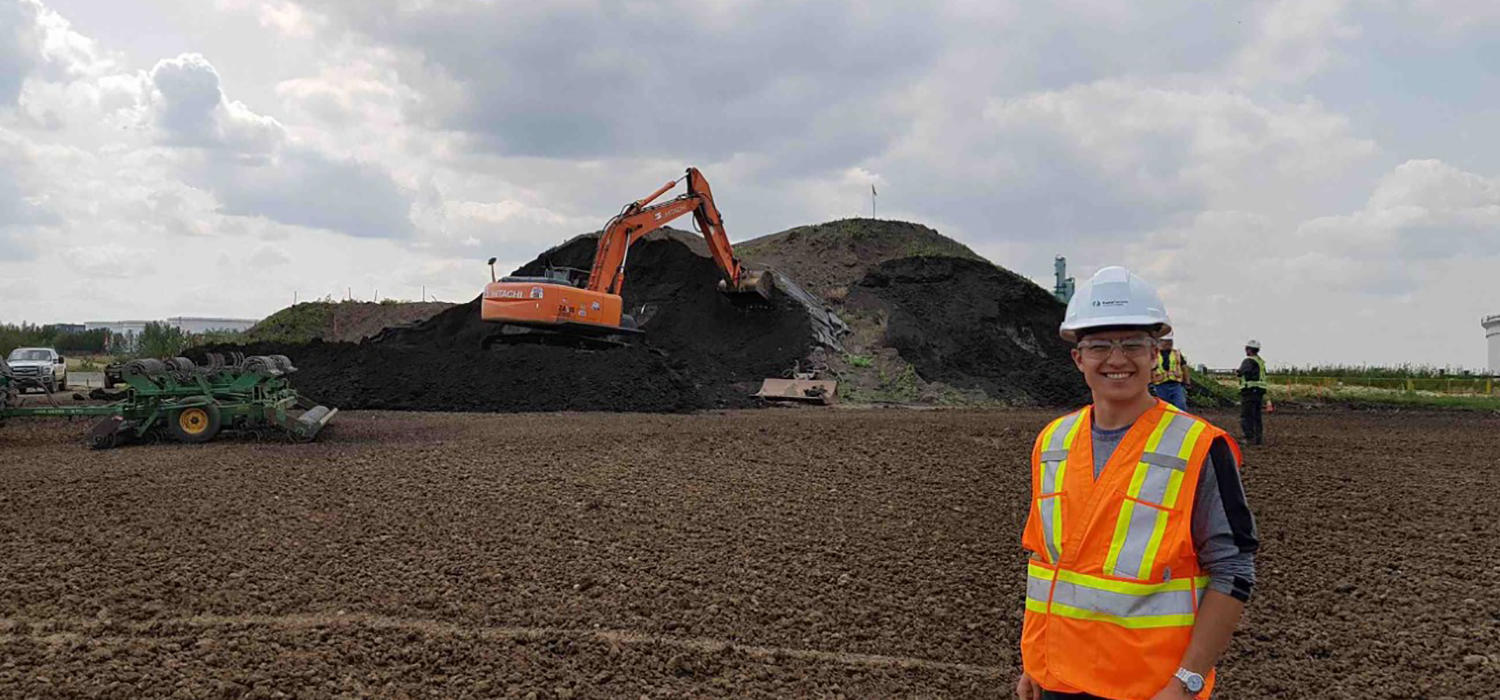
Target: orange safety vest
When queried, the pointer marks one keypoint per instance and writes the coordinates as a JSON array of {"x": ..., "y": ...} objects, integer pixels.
[
  {"x": 1169, "y": 371},
  {"x": 1113, "y": 585}
]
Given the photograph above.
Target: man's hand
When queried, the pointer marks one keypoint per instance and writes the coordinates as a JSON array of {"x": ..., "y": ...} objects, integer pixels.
[
  {"x": 1173, "y": 691},
  {"x": 1027, "y": 689}
]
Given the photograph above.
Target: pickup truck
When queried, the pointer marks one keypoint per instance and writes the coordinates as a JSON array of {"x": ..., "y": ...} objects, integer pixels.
[{"x": 39, "y": 368}]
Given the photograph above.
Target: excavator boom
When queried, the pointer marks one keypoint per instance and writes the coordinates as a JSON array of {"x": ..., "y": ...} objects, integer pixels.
[
  {"x": 641, "y": 217},
  {"x": 595, "y": 309}
]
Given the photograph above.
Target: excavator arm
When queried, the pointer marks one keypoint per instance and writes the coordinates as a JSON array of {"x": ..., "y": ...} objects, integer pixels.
[
  {"x": 536, "y": 309},
  {"x": 642, "y": 217}
]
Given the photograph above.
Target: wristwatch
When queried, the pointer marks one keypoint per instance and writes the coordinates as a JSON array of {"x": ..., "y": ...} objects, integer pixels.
[{"x": 1193, "y": 682}]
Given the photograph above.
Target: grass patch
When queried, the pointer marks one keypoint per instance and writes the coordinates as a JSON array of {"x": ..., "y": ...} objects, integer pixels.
[
  {"x": 295, "y": 324},
  {"x": 1363, "y": 396},
  {"x": 1406, "y": 371},
  {"x": 88, "y": 363},
  {"x": 901, "y": 387}
]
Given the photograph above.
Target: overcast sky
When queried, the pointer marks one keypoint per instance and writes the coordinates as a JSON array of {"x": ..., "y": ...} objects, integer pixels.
[{"x": 1319, "y": 174}]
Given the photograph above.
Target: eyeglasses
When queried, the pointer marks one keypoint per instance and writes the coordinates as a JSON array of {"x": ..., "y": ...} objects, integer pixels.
[{"x": 1130, "y": 347}]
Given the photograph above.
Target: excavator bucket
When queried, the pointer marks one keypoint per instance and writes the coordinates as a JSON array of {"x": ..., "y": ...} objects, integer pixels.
[
  {"x": 823, "y": 391},
  {"x": 754, "y": 286}
]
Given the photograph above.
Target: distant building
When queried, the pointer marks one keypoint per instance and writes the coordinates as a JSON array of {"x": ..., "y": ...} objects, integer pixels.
[
  {"x": 68, "y": 327},
  {"x": 117, "y": 327},
  {"x": 188, "y": 324},
  {"x": 1492, "y": 334},
  {"x": 125, "y": 334}
]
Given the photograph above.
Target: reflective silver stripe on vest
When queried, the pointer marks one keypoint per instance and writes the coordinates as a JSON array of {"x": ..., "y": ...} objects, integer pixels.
[
  {"x": 1143, "y": 521},
  {"x": 1055, "y": 454},
  {"x": 1054, "y": 469},
  {"x": 1047, "y": 507},
  {"x": 1131, "y": 605},
  {"x": 1038, "y": 589},
  {"x": 1121, "y": 604},
  {"x": 1165, "y": 459},
  {"x": 1176, "y": 431},
  {"x": 1171, "y": 461},
  {"x": 1157, "y": 480}
]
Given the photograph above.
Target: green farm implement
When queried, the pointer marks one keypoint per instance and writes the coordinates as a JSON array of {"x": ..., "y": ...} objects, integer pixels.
[{"x": 189, "y": 403}]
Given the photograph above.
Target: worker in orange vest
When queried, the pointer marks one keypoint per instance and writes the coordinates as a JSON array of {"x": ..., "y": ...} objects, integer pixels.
[{"x": 1142, "y": 543}]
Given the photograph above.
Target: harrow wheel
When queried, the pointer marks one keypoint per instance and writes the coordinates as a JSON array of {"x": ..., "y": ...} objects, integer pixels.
[{"x": 194, "y": 424}]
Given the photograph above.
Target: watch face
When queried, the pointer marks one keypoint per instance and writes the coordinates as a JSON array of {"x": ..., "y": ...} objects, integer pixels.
[{"x": 1194, "y": 683}]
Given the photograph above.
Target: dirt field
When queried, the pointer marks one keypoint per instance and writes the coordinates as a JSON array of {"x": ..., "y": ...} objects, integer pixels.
[{"x": 860, "y": 553}]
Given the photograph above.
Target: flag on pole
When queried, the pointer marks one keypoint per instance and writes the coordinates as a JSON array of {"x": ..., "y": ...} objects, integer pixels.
[{"x": 872, "y": 190}]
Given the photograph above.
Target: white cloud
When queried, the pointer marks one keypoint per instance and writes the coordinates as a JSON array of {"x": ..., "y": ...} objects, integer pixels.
[
  {"x": 289, "y": 19},
  {"x": 1412, "y": 266},
  {"x": 249, "y": 161},
  {"x": 191, "y": 110},
  {"x": 1253, "y": 159},
  {"x": 1292, "y": 41}
]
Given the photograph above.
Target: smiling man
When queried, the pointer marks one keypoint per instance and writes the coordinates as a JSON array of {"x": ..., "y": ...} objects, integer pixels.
[{"x": 1142, "y": 544}]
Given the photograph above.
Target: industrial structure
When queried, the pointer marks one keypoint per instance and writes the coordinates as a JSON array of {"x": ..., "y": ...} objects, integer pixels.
[
  {"x": 1492, "y": 335},
  {"x": 1063, "y": 289}
]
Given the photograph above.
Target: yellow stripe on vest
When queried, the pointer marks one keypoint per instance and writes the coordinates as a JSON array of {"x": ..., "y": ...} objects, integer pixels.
[{"x": 1154, "y": 488}]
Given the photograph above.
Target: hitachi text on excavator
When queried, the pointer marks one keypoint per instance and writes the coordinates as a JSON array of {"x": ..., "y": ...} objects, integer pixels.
[{"x": 553, "y": 309}]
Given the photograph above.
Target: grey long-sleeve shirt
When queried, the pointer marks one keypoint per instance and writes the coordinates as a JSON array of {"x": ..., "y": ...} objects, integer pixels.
[{"x": 1223, "y": 527}]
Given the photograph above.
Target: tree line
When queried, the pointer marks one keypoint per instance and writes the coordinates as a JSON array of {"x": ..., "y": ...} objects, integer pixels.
[{"x": 155, "y": 340}]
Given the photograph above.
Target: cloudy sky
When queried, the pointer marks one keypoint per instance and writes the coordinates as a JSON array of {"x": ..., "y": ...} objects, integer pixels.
[{"x": 1320, "y": 174}]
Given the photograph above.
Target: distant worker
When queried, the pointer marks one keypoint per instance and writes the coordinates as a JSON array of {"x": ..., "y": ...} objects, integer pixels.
[
  {"x": 1171, "y": 378},
  {"x": 1252, "y": 374},
  {"x": 1142, "y": 544}
]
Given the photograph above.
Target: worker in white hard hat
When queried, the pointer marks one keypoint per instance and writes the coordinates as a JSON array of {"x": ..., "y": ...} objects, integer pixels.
[
  {"x": 1142, "y": 544},
  {"x": 1170, "y": 378},
  {"x": 1252, "y": 374}
]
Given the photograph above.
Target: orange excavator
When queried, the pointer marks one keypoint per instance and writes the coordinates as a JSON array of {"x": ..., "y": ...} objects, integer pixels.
[{"x": 553, "y": 310}]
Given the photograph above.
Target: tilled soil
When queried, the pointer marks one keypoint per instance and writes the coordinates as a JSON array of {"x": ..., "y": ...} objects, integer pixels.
[{"x": 770, "y": 553}]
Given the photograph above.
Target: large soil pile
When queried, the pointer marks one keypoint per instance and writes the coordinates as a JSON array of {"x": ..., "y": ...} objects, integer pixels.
[
  {"x": 973, "y": 325},
  {"x": 699, "y": 350},
  {"x": 930, "y": 320},
  {"x": 829, "y": 258}
]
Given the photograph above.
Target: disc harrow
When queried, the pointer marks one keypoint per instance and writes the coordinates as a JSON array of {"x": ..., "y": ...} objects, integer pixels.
[{"x": 184, "y": 401}]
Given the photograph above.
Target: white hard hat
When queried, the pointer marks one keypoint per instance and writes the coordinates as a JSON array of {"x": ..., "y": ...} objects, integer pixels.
[
  {"x": 1114, "y": 297},
  {"x": 1252, "y": 344}
]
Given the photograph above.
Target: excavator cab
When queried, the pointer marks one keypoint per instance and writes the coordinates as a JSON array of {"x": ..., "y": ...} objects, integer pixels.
[{"x": 554, "y": 309}]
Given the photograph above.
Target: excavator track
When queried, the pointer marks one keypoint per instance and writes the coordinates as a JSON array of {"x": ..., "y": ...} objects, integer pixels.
[{"x": 570, "y": 335}]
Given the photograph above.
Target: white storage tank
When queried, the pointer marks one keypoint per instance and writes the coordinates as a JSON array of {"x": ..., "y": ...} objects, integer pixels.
[{"x": 1492, "y": 335}]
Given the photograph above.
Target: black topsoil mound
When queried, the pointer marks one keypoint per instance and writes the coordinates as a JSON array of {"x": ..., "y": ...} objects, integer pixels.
[
  {"x": 973, "y": 325},
  {"x": 699, "y": 350}
]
